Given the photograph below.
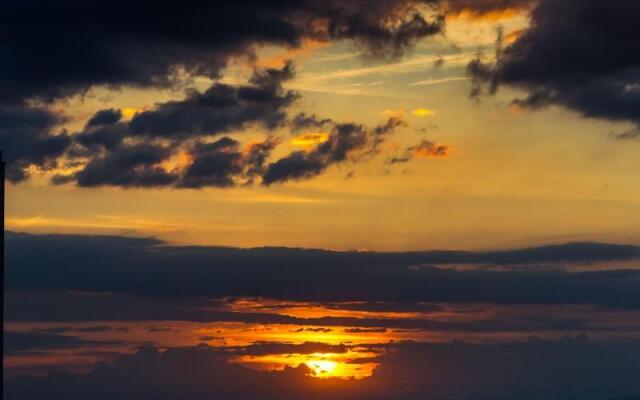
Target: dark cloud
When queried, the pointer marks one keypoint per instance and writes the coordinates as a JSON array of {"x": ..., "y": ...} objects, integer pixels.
[
  {"x": 187, "y": 373},
  {"x": 260, "y": 349},
  {"x": 386, "y": 306},
  {"x": 77, "y": 46},
  {"x": 129, "y": 166},
  {"x": 570, "y": 367},
  {"x": 137, "y": 153},
  {"x": 305, "y": 121},
  {"x": 365, "y": 330},
  {"x": 346, "y": 141},
  {"x": 26, "y": 139},
  {"x": 137, "y": 267},
  {"x": 79, "y": 329},
  {"x": 105, "y": 117},
  {"x": 221, "y": 108},
  {"x": 323, "y": 330},
  {"x": 57, "y": 306},
  {"x": 214, "y": 164},
  {"x": 589, "y": 62},
  {"x": 95, "y": 138},
  {"x": 99, "y": 44},
  {"x": 21, "y": 342}
]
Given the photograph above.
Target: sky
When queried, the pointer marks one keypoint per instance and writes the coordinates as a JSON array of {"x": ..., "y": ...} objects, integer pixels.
[{"x": 330, "y": 199}]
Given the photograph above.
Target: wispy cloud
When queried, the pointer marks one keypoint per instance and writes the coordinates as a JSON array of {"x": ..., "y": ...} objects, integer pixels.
[{"x": 428, "y": 82}]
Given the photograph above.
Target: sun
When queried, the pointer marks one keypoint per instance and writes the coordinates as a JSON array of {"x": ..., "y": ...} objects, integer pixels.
[{"x": 322, "y": 367}]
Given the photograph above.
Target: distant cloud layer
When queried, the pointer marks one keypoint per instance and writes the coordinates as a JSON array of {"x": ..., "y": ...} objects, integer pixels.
[
  {"x": 145, "y": 267},
  {"x": 572, "y": 367}
]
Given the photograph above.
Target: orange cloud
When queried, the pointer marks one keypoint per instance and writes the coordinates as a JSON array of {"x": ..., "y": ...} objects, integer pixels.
[
  {"x": 428, "y": 149},
  {"x": 513, "y": 35},
  {"x": 178, "y": 161},
  {"x": 310, "y": 139},
  {"x": 399, "y": 114},
  {"x": 130, "y": 112},
  {"x": 486, "y": 10},
  {"x": 422, "y": 112}
]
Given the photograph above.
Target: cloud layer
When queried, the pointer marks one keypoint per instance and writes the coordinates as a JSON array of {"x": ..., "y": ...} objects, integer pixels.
[{"x": 144, "y": 267}]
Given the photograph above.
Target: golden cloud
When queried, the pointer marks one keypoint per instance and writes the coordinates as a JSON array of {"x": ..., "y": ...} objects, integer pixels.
[
  {"x": 422, "y": 112},
  {"x": 307, "y": 140}
]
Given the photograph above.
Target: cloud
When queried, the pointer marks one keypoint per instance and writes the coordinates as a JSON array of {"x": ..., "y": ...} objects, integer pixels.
[
  {"x": 310, "y": 139},
  {"x": 137, "y": 153},
  {"x": 176, "y": 145},
  {"x": 56, "y": 306},
  {"x": 142, "y": 267},
  {"x": 26, "y": 139},
  {"x": 486, "y": 9},
  {"x": 24, "y": 342},
  {"x": 427, "y": 82},
  {"x": 79, "y": 329},
  {"x": 570, "y": 367},
  {"x": 429, "y": 149},
  {"x": 151, "y": 44},
  {"x": 303, "y": 121},
  {"x": 221, "y": 108},
  {"x": 346, "y": 141},
  {"x": 588, "y": 63},
  {"x": 424, "y": 149},
  {"x": 365, "y": 330},
  {"x": 105, "y": 117},
  {"x": 627, "y": 135},
  {"x": 101, "y": 45}
]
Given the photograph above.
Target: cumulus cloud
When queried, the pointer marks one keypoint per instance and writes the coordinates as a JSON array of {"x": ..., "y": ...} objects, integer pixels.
[
  {"x": 79, "y": 46},
  {"x": 26, "y": 139},
  {"x": 346, "y": 141},
  {"x": 221, "y": 108},
  {"x": 588, "y": 63}
]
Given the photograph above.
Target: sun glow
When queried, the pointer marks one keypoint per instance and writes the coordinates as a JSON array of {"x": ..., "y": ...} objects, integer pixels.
[
  {"x": 347, "y": 365},
  {"x": 322, "y": 367}
]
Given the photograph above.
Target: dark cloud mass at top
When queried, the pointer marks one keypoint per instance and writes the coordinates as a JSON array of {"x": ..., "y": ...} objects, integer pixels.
[
  {"x": 581, "y": 54},
  {"x": 54, "y": 49}
]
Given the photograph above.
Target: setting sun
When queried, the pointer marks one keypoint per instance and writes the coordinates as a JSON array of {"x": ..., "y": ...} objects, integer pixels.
[
  {"x": 320, "y": 199},
  {"x": 322, "y": 368}
]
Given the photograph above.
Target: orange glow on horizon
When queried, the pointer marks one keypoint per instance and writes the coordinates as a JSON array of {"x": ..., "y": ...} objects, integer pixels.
[{"x": 322, "y": 365}]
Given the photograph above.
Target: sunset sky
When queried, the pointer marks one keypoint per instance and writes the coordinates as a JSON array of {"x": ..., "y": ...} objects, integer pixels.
[{"x": 385, "y": 194}]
